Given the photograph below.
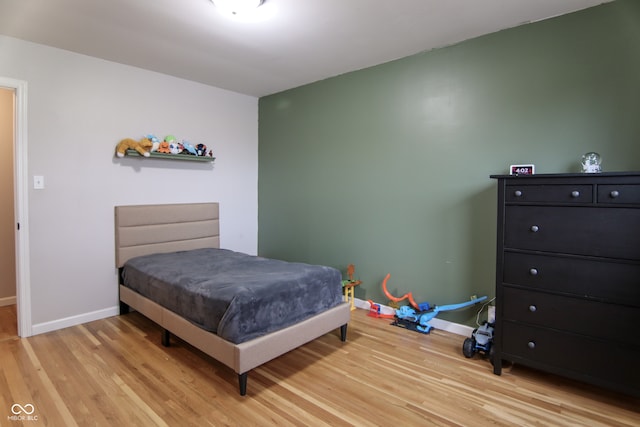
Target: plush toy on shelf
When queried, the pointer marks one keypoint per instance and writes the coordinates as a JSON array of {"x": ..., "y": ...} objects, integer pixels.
[
  {"x": 155, "y": 142},
  {"x": 188, "y": 148},
  {"x": 164, "y": 148},
  {"x": 169, "y": 145},
  {"x": 201, "y": 149},
  {"x": 175, "y": 147},
  {"x": 143, "y": 146},
  {"x": 151, "y": 137}
]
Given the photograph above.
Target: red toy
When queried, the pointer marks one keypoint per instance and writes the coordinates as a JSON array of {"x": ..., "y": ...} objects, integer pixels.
[{"x": 374, "y": 311}]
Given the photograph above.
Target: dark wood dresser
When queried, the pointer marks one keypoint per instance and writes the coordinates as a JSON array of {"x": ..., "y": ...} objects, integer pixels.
[{"x": 568, "y": 276}]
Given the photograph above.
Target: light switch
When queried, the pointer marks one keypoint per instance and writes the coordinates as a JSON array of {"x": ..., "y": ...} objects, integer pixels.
[{"x": 38, "y": 182}]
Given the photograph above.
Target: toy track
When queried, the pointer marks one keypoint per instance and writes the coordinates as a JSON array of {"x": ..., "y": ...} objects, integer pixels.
[{"x": 408, "y": 295}]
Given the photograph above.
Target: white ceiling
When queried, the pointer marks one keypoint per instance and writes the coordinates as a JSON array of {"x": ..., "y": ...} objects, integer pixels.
[{"x": 287, "y": 44}]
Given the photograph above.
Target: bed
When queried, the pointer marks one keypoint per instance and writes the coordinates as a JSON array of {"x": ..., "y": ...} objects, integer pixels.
[{"x": 185, "y": 237}]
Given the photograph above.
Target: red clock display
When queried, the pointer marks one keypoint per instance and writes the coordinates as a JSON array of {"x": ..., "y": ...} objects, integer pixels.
[{"x": 521, "y": 170}]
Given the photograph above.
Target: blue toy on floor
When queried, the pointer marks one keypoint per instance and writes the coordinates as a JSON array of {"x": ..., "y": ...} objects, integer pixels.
[{"x": 409, "y": 318}]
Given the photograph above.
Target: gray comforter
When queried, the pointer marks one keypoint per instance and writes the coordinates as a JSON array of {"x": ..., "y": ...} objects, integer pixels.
[{"x": 237, "y": 296}]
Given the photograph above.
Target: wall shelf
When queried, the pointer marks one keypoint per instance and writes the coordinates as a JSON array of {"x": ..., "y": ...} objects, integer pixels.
[{"x": 187, "y": 157}]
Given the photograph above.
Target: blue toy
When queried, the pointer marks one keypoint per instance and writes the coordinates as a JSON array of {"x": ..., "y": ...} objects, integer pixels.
[
  {"x": 481, "y": 340},
  {"x": 408, "y": 317},
  {"x": 151, "y": 137},
  {"x": 186, "y": 145}
]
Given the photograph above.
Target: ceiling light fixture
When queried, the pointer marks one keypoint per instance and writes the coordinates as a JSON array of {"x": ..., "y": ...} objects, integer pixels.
[{"x": 237, "y": 7}]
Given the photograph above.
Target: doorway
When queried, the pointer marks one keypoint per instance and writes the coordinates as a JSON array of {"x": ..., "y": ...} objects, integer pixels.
[
  {"x": 13, "y": 97},
  {"x": 8, "y": 285}
]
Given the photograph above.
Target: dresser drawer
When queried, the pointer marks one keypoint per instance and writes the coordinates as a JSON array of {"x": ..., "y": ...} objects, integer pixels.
[
  {"x": 604, "y": 232},
  {"x": 619, "y": 194},
  {"x": 580, "y": 316},
  {"x": 549, "y": 193},
  {"x": 610, "y": 281},
  {"x": 573, "y": 355}
]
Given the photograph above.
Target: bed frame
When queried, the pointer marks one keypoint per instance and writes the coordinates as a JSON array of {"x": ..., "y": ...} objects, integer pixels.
[{"x": 147, "y": 229}]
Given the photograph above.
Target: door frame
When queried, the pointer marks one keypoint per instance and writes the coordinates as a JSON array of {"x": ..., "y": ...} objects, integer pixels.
[{"x": 21, "y": 205}]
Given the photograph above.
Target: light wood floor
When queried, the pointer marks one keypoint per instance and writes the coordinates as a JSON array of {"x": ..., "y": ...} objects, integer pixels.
[
  {"x": 8, "y": 322},
  {"x": 114, "y": 372}
]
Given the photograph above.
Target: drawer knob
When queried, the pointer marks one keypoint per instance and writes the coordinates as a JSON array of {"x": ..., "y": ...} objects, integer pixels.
[
  {"x": 575, "y": 194},
  {"x": 533, "y": 272},
  {"x": 534, "y": 228},
  {"x": 531, "y": 345},
  {"x": 517, "y": 193},
  {"x": 614, "y": 194},
  {"x": 533, "y": 308}
]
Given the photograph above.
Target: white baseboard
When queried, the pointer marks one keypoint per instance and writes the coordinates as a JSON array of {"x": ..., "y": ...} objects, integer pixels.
[
  {"x": 7, "y": 301},
  {"x": 41, "y": 328},
  {"x": 443, "y": 325},
  {"x": 54, "y": 325}
]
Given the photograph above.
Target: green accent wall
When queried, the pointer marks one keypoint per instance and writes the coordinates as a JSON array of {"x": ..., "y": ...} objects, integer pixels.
[{"x": 388, "y": 167}]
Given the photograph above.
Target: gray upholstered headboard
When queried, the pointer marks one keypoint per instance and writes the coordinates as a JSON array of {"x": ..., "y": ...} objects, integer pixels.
[{"x": 146, "y": 229}]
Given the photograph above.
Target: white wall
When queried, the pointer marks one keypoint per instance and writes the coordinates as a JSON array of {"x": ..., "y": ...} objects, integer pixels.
[{"x": 79, "y": 107}]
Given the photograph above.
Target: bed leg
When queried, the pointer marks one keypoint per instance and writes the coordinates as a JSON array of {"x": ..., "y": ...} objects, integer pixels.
[
  {"x": 242, "y": 381},
  {"x": 124, "y": 308},
  {"x": 166, "y": 338},
  {"x": 343, "y": 332}
]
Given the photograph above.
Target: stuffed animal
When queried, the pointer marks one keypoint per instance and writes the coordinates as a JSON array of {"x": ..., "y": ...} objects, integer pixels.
[
  {"x": 142, "y": 147},
  {"x": 164, "y": 147},
  {"x": 175, "y": 147},
  {"x": 151, "y": 137},
  {"x": 154, "y": 139},
  {"x": 201, "y": 149},
  {"x": 188, "y": 148}
]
